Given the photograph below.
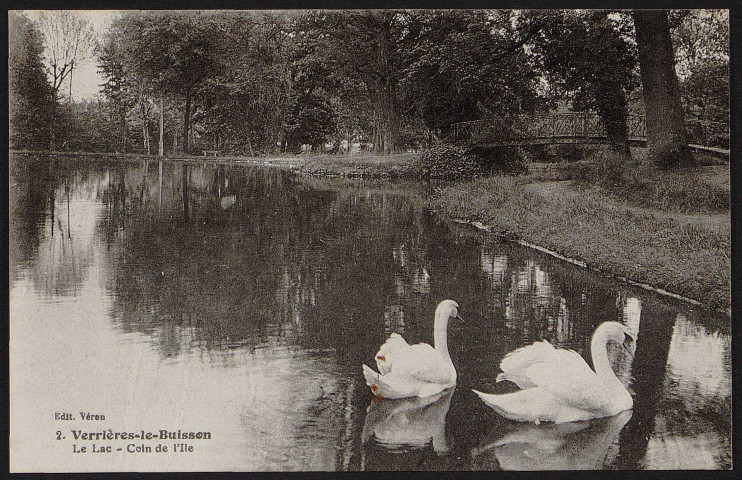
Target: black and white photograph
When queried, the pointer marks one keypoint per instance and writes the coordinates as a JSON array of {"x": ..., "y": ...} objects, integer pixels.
[{"x": 291, "y": 240}]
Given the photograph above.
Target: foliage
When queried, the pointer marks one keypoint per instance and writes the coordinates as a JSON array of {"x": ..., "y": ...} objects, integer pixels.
[
  {"x": 572, "y": 152},
  {"x": 502, "y": 159},
  {"x": 245, "y": 100},
  {"x": 366, "y": 49},
  {"x": 699, "y": 37},
  {"x": 31, "y": 100},
  {"x": 169, "y": 54},
  {"x": 701, "y": 42},
  {"x": 449, "y": 162},
  {"x": 589, "y": 56},
  {"x": 256, "y": 82},
  {"x": 311, "y": 122},
  {"x": 88, "y": 127},
  {"x": 465, "y": 65},
  {"x": 456, "y": 162}
]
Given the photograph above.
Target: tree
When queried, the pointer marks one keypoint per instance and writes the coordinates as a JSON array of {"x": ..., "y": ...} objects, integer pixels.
[
  {"x": 698, "y": 37},
  {"x": 467, "y": 64},
  {"x": 705, "y": 95},
  {"x": 701, "y": 42},
  {"x": 666, "y": 136},
  {"x": 244, "y": 102},
  {"x": 589, "y": 56},
  {"x": 174, "y": 52},
  {"x": 117, "y": 79},
  {"x": 30, "y": 97},
  {"x": 311, "y": 122},
  {"x": 365, "y": 47},
  {"x": 68, "y": 40}
]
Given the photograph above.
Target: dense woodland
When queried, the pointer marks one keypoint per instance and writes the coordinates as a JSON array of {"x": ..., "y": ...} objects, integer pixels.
[{"x": 270, "y": 82}]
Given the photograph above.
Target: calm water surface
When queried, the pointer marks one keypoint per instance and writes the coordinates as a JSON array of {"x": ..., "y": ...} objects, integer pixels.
[{"x": 243, "y": 301}]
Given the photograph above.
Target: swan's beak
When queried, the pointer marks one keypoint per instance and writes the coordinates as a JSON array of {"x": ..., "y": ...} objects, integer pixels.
[{"x": 458, "y": 317}]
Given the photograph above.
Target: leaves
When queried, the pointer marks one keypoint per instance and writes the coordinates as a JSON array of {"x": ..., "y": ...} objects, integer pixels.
[{"x": 30, "y": 97}]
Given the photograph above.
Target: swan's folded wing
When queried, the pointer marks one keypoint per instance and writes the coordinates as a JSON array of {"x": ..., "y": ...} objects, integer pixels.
[
  {"x": 421, "y": 363},
  {"x": 515, "y": 364},
  {"x": 389, "y": 352},
  {"x": 568, "y": 377}
]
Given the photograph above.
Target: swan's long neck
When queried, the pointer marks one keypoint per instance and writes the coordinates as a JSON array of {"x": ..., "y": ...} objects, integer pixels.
[
  {"x": 440, "y": 331},
  {"x": 599, "y": 352}
]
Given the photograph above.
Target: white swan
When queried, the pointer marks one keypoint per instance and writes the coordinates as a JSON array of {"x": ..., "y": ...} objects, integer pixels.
[
  {"x": 558, "y": 385},
  {"x": 415, "y": 370}
]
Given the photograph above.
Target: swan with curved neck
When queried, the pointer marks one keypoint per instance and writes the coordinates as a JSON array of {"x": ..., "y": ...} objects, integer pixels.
[
  {"x": 415, "y": 370},
  {"x": 557, "y": 385}
]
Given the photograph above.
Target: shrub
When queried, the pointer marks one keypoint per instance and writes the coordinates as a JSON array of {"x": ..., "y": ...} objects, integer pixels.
[
  {"x": 570, "y": 152},
  {"x": 458, "y": 161},
  {"x": 501, "y": 159},
  {"x": 450, "y": 162}
]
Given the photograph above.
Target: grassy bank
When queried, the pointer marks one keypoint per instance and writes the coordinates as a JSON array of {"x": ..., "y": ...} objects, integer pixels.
[
  {"x": 392, "y": 166},
  {"x": 687, "y": 254},
  {"x": 376, "y": 166}
]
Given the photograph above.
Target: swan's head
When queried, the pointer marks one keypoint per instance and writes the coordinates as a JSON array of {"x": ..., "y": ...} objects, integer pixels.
[
  {"x": 616, "y": 332},
  {"x": 447, "y": 309}
]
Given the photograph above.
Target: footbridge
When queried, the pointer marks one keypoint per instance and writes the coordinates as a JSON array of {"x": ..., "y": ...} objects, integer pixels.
[{"x": 550, "y": 129}]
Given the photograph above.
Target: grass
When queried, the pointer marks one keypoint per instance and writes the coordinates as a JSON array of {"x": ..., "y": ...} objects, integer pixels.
[
  {"x": 394, "y": 166},
  {"x": 642, "y": 185},
  {"x": 682, "y": 254}
]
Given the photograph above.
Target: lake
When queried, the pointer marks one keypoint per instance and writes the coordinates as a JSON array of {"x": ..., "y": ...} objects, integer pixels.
[{"x": 241, "y": 302}]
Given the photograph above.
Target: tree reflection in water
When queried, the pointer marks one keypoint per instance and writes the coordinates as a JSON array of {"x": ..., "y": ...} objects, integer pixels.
[{"x": 298, "y": 280}]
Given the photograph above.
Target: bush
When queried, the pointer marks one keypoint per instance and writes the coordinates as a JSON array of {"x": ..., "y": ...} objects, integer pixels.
[
  {"x": 450, "y": 162},
  {"x": 502, "y": 159},
  {"x": 571, "y": 152},
  {"x": 457, "y": 162}
]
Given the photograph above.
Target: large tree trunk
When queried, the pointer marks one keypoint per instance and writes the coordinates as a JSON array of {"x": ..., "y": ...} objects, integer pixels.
[
  {"x": 145, "y": 127},
  {"x": 387, "y": 121},
  {"x": 161, "y": 147},
  {"x": 122, "y": 119},
  {"x": 667, "y": 140},
  {"x": 187, "y": 124},
  {"x": 613, "y": 112}
]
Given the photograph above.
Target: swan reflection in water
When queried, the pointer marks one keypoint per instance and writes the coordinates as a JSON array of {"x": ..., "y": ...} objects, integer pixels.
[
  {"x": 566, "y": 446},
  {"x": 409, "y": 422}
]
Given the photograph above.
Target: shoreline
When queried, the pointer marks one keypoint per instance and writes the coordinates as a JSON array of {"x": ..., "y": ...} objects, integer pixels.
[
  {"x": 488, "y": 229},
  {"x": 324, "y": 165},
  {"x": 682, "y": 256},
  {"x": 589, "y": 229}
]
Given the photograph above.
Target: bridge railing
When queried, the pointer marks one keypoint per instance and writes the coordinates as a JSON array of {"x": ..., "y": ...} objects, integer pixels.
[
  {"x": 577, "y": 126},
  {"x": 585, "y": 125},
  {"x": 709, "y": 133}
]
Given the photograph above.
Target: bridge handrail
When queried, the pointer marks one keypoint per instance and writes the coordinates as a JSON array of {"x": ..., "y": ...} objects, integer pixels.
[{"x": 587, "y": 125}]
